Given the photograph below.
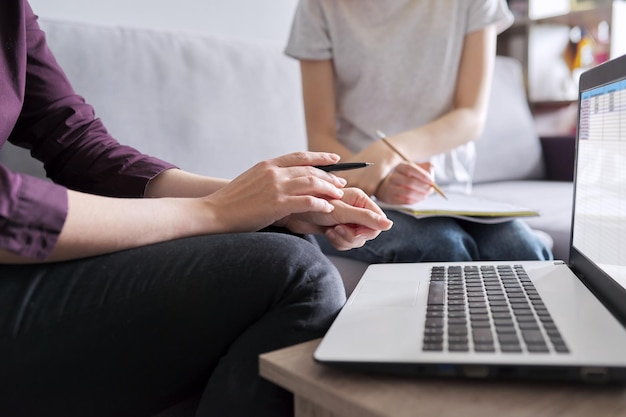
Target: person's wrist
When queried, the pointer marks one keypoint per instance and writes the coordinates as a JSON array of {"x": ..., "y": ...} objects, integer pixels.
[{"x": 376, "y": 192}]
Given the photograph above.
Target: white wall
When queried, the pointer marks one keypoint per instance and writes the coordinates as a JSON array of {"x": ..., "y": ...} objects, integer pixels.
[
  {"x": 246, "y": 19},
  {"x": 618, "y": 29}
]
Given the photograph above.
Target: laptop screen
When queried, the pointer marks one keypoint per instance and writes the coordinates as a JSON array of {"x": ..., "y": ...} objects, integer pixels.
[{"x": 599, "y": 222}]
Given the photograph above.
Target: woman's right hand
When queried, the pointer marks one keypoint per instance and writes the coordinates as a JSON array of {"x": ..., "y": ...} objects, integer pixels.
[
  {"x": 272, "y": 190},
  {"x": 407, "y": 183}
]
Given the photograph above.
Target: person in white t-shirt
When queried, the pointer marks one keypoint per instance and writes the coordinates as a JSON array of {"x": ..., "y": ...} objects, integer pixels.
[{"x": 420, "y": 71}]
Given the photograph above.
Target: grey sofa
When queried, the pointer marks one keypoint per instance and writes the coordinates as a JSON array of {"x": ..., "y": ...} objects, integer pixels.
[{"x": 216, "y": 106}]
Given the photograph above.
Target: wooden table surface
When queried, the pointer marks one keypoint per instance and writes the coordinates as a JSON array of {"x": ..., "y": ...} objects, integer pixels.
[{"x": 323, "y": 391}]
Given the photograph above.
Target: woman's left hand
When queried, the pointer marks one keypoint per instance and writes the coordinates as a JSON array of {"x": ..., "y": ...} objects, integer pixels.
[{"x": 354, "y": 220}]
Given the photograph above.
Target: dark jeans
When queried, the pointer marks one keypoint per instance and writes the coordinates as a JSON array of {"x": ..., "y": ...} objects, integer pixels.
[
  {"x": 436, "y": 239},
  {"x": 131, "y": 333}
]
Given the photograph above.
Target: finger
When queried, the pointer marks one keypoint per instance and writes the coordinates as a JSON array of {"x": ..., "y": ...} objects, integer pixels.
[
  {"x": 416, "y": 172},
  {"x": 347, "y": 214},
  {"x": 428, "y": 166},
  {"x": 412, "y": 190},
  {"x": 306, "y": 158},
  {"x": 326, "y": 176},
  {"x": 311, "y": 185},
  {"x": 307, "y": 203},
  {"x": 357, "y": 198},
  {"x": 295, "y": 171},
  {"x": 409, "y": 182},
  {"x": 344, "y": 238}
]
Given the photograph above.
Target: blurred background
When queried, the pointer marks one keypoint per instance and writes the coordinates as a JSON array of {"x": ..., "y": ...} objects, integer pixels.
[
  {"x": 244, "y": 19},
  {"x": 554, "y": 39}
]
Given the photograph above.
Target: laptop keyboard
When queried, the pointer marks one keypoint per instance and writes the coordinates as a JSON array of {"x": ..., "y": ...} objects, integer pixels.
[{"x": 488, "y": 309}]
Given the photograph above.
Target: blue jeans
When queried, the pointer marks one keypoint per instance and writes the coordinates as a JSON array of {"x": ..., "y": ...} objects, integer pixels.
[
  {"x": 435, "y": 239},
  {"x": 133, "y": 332}
]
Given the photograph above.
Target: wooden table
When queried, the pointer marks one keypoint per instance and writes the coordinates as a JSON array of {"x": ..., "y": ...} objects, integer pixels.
[{"x": 322, "y": 391}]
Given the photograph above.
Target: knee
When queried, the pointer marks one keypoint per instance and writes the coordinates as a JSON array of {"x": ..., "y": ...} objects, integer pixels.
[
  {"x": 433, "y": 239},
  {"x": 310, "y": 274},
  {"x": 516, "y": 242}
]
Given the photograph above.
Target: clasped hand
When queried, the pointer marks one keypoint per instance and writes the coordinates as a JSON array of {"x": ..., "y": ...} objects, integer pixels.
[{"x": 288, "y": 191}]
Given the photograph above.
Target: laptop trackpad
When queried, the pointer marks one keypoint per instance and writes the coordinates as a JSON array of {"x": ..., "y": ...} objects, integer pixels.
[{"x": 387, "y": 293}]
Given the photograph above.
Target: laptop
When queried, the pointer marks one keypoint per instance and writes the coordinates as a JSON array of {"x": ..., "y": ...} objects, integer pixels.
[{"x": 514, "y": 320}]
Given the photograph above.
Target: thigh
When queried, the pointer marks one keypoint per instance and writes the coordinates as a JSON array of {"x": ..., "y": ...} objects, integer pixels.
[
  {"x": 128, "y": 333},
  {"x": 429, "y": 239},
  {"x": 508, "y": 241}
]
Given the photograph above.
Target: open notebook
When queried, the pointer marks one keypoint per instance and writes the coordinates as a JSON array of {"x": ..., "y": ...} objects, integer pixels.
[
  {"x": 537, "y": 319},
  {"x": 465, "y": 206}
]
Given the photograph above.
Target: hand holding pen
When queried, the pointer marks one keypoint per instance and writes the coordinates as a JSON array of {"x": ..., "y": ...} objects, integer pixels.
[{"x": 433, "y": 184}]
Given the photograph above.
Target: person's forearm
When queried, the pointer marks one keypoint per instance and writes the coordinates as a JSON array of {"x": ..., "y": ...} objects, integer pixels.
[
  {"x": 179, "y": 183},
  {"x": 268, "y": 192},
  {"x": 454, "y": 129},
  {"x": 97, "y": 225}
]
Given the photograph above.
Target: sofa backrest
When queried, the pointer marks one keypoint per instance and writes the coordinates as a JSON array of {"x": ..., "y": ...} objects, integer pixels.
[
  {"x": 509, "y": 147},
  {"x": 216, "y": 106},
  {"x": 210, "y": 105}
]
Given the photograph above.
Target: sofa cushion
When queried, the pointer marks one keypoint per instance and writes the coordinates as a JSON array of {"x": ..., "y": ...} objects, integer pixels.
[{"x": 509, "y": 147}]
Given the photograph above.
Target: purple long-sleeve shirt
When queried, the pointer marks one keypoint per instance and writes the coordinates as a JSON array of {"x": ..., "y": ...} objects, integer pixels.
[{"x": 40, "y": 111}]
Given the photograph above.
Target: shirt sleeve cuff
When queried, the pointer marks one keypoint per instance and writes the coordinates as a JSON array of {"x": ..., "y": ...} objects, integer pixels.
[{"x": 38, "y": 215}]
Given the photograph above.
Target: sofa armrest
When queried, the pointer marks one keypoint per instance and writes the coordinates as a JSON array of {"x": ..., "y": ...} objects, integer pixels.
[{"x": 559, "y": 154}]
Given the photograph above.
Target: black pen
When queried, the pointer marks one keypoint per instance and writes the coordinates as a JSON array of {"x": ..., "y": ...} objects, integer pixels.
[{"x": 343, "y": 167}]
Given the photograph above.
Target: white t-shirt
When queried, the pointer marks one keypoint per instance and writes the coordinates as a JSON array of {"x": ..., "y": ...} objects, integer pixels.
[{"x": 396, "y": 64}]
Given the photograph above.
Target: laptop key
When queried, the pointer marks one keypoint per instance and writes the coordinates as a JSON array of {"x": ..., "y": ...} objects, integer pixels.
[
  {"x": 482, "y": 336},
  {"x": 485, "y": 348},
  {"x": 533, "y": 337},
  {"x": 434, "y": 322},
  {"x": 457, "y": 339},
  {"x": 560, "y": 348},
  {"x": 436, "y": 292},
  {"x": 458, "y": 347},
  {"x": 457, "y": 330},
  {"x": 480, "y": 324},
  {"x": 508, "y": 338},
  {"x": 511, "y": 348},
  {"x": 538, "y": 348},
  {"x": 528, "y": 326},
  {"x": 433, "y": 347},
  {"x": 526, "y": 319},
  {"x": 457, "y": 320},
  {"x": 428, "y": 339},
  {"x": 433, "y": 330}
]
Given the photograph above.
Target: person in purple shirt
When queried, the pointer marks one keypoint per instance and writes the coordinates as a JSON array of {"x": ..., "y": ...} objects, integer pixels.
[{"x": 126, "y": 284}]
